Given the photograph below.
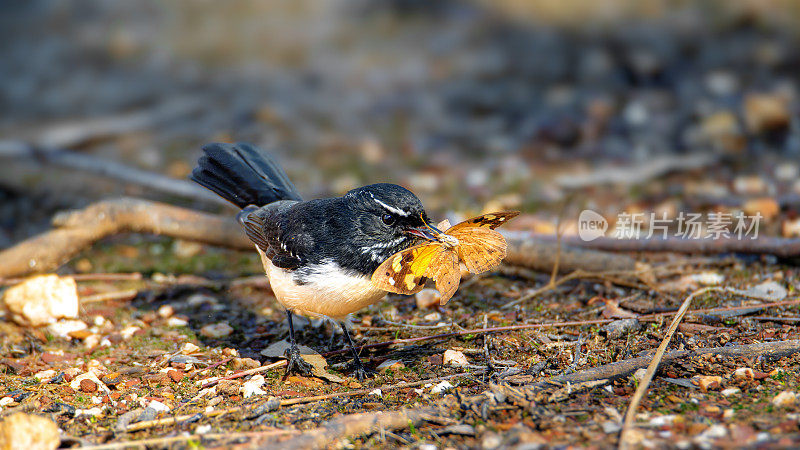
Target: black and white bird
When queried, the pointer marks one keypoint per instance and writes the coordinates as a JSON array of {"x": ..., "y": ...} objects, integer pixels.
[{"x": 319, "y": 255}]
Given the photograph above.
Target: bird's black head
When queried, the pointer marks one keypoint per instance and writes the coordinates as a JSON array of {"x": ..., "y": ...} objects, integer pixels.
[{"x": 387, "y": 218}]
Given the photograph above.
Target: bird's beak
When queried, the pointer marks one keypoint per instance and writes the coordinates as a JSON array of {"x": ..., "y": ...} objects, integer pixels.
[{"x": 430, "y": 232}]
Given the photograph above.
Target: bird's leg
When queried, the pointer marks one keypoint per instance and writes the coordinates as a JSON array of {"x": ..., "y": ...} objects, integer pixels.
[
  {"x": 296, "y": 363},
  {"x": 361, "y": 373}
]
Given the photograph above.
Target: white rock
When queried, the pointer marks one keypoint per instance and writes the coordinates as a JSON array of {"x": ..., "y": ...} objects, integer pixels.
[
  {"x": 639, "y": 374},
  {"x": 432, "y": 317},
  {"x": 64, "y": 327},
  {"x": 743, "y": 373},
  {"x": 5, "y": 401},
  {"x": 23, "y": 431},
  {"x": 376, "y": 393},
  {"x": 388, "y": 364},
  {"x": 216, "y": 330},
  {"x": 91, "y": 412},
  {"x": 128, "y": 332},
  {"x": 42, "y": 300},
  {"x": 45, "y": 375},
  {"x": 707, "y": 278},
  {"x": 712, "y": 433},
  {"x": 253, "y": 386},
  {"x": 166, "y": 311},
  {"x": 189, "y": 348},
  {"x": 427, "y": 298},
  {"x": 202, "y": 429},
  {"x": 662, "y": 421},
  {"x": 158, "y": 406},
  {"x": 92, "y": 341},
  {"x": 785, "y": 398},
  {"x": 730, "y": 391},
  {"x": 99, "y": 321},
  {"x": 177, "y": 322},
  {"x": 454, "y": 358},
  {"x": 441, "y": 387}
]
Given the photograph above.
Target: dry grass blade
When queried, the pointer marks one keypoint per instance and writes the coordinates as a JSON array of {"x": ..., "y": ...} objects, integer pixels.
[{"x": 628, "y": 438}]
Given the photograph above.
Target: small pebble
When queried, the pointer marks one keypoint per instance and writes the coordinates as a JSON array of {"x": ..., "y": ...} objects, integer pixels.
[
  {"x": 441, "y": 387},
  {"x": 427, "y": 298},
  {"x": 216, "y": 330},
  {"x": 785, "y": 399},
  {"x": 454, "y": 358},
  {"x": 253, "y": 386},
  {"x": 189, "y": 348},
  {"x": 744, "y": 374},
  {"x": 88, "y": 385},
  {"x": 177, "y": 322},
  {"x": 166, "y": 311}
]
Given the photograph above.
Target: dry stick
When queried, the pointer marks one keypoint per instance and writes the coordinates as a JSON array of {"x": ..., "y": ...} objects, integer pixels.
[
  {"x": 294, "y": 401},
  {"x": 125, "y": 295},
  {"x": 627, "y": 438},
  {"x": 135, "y": 276},
  {"x": 77, "y": 230},
  {"x": 781, "y": 247}
]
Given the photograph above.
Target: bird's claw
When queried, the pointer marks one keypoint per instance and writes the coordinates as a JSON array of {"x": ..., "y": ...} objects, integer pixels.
[{"x": 296, "y": 363}]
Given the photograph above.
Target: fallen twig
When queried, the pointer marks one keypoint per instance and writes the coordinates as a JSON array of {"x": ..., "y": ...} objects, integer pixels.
[
  {"x": 781, "y": 247},
  {"x": 127, "y": 294},
  {"x": 77, "y": 230},
  {"x": 627, "y": 437}
]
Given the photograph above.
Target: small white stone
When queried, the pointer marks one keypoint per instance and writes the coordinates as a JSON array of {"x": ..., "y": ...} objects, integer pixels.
[
  {"x": 64, "y": 327},
  {"x": 42, "y": 300},
  {"x": 454, "y": 358},
  {"x": 92, "y": 341},
  {"x": 441, "y": 387},
  {"x": 376, "y": 393},
  {"x": 91, "y": 412},
  {"x": 427, "y": 298},
  {"x": 177, "y": 322},
  {"x": 96, "y": 400},
  {"x": 45, "y": 375},
  {"x": 253, "y": 386},
  {"x": 166, "y": 311},
  {"x": 99, "y": 321},
  {"x": 189, "y": 348},
  {"x": 202, "y": 429},
  {"x": 158, "y": 406},
  {"x": 5, "y": 401},
  {"x": 216, "y": 330},
  {"x": 730, "y": 391},
  {"x": 743, "y": 373},
  {"x": 432, "y": 317},
  {"x": 785, "y": 398},
  {"x": 707, "y": 278},
  {"x": 127, "y": 332}
]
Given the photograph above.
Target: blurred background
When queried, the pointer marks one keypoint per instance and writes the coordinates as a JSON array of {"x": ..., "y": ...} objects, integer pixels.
[{"x": 549, "y": 107}]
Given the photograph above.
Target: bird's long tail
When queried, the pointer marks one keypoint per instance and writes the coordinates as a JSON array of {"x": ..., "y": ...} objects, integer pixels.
[{"x": 243, "y": 174}]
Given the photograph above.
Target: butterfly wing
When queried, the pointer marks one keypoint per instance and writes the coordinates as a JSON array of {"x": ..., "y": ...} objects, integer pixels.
[
  {"x": 444, "y": 269},
  {"x": 491, "y": 221},
  {"x": 481, "y": 249},
  {"x": 404, "y": 272},
  {"x": 479, "y": 246}
]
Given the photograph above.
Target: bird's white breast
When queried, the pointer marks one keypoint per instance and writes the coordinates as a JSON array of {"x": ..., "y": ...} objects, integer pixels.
[{"x": 328, "y": 290}]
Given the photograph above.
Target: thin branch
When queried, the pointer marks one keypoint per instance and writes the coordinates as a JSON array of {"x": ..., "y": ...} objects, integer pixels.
[{"x": 627, "y": 438}]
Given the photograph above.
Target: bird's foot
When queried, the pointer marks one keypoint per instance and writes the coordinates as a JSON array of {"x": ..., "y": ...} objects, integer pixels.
[
  {"x": 360, "y": 372},
  {"x": 296, "y": 363}
]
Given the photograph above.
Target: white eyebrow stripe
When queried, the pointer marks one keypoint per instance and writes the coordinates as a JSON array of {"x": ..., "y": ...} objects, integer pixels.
[{"x": 389, "y": 208}]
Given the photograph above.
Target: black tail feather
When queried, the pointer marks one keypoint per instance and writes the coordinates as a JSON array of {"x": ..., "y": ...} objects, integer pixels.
[{"x": 243, "y": 175}]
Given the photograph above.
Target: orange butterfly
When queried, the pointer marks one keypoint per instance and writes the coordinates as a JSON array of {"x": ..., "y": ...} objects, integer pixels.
[{"x": 473, "y": 241}]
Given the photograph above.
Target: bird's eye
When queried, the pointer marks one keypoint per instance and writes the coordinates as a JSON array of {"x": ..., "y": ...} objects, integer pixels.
[{"x": 388, "y": 219}]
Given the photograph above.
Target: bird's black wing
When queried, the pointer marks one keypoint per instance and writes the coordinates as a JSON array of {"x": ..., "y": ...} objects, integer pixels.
[{"x": 279, "y": 238}]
